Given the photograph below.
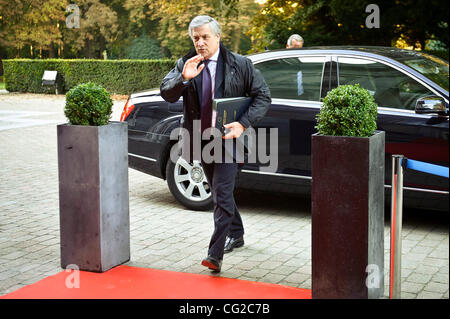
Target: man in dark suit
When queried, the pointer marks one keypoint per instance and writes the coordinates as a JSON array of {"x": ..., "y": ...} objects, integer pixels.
[{"x": 212, "y": 71}]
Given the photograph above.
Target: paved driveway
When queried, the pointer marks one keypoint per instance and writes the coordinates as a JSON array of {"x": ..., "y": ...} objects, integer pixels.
[{"x": 164, "y": 235}]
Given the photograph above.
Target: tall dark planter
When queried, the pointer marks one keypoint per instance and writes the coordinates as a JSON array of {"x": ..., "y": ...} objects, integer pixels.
[
  {"x": 348, "y": 216},
  {"x": 93, "y": 195}
]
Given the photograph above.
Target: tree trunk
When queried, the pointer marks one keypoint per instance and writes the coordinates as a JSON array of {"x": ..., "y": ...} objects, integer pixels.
[
  {"x": 88, "y": 49},
  {"x": 102, "y": 47},
  {"x": 51, "y": 52}
]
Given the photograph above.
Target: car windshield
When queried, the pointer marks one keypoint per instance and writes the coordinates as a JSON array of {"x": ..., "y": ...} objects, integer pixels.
[{"x": 433, "y": 68}]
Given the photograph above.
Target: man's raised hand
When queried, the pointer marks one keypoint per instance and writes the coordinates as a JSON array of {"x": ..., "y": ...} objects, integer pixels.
[{"x": 190, "y": 69}]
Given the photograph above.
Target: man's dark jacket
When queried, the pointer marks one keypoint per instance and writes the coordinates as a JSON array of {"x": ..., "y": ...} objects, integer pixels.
[{"x": 235, "y": 76}]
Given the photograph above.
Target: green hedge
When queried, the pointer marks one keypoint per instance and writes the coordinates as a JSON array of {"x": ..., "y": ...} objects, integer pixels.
[{"x": 117, "y": 76}]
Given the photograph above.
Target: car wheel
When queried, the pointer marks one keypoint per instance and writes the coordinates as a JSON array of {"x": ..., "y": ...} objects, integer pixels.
[{"x": 188, "y": 184}]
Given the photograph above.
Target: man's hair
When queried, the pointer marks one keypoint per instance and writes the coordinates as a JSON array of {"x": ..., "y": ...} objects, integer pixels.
[
  {"x": 199, "y": 21},
  {"x": 295, "y": 37}
]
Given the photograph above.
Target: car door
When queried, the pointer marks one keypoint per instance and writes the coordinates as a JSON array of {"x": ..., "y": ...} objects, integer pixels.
[
  {"x": 149, "y": 126},
  {"x": 416, "y": 136},
  {"x": 295, "y": 85}
]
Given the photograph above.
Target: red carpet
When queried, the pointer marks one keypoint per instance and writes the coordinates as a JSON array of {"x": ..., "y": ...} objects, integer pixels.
[{"x": 125, "y": 282}]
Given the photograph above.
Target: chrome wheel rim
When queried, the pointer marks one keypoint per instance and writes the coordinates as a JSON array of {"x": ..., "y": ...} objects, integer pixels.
[{"x": 191, "y": 180}]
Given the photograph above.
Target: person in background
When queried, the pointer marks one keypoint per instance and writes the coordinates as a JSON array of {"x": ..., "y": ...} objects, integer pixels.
[{"x": 295, "y": 41}]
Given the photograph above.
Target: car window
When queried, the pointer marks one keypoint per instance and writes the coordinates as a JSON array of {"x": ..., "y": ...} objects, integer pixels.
[
  {"x": 430, "y": 66},
  {"x": 293, "y": 78},
  {"x": 389, "y": 87}
]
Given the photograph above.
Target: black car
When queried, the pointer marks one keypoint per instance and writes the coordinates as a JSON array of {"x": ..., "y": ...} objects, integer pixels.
[{"x": 403, "y": 82}]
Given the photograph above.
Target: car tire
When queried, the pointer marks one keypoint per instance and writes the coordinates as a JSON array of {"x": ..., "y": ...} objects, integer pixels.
[{"x": 187, "y": 183}]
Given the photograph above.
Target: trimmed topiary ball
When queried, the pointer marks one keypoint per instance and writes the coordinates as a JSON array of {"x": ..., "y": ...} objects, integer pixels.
[
  {"x": 348, "y": 110},
  {"x": 88, "y": 104}
]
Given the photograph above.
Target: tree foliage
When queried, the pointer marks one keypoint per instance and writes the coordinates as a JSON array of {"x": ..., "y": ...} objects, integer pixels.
[
  {"x": 98, "y": 26},
  {"x": 35, "y": 24},
  {"x": 38, "y": 28},
  {"x": 174, "y": 16},
  {"x": 343, "y": 22},
  {"x": 144, "y": 47}
]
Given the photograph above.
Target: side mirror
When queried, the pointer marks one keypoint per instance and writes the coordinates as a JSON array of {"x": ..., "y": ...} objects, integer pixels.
[{"x": 432, "y": 105}]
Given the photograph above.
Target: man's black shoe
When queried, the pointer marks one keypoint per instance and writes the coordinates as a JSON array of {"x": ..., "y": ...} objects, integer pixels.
[
  {"x": 231, "y": 243},
  {"x": 212, "y": 263}
]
